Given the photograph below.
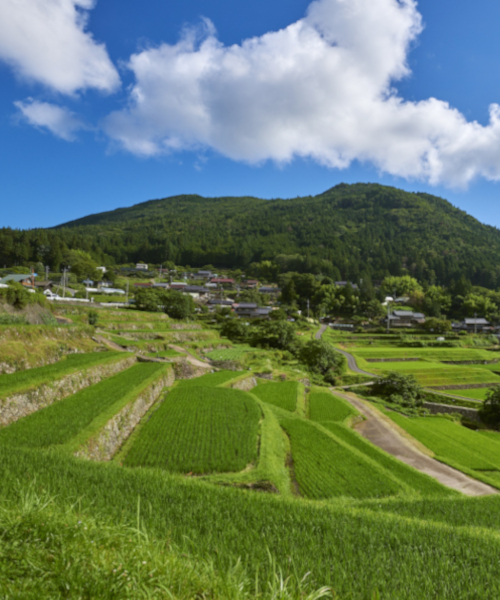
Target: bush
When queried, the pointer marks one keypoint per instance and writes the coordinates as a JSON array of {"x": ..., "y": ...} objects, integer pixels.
[
  {"x": 400, "y": 389},
  {"x": 93, "y": 317},
  {"x": 321, "y": 358},
  {"x": 490, "y": 411}
]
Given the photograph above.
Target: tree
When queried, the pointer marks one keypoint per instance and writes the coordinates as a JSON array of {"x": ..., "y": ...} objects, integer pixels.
[
  {"x": 399, "y": 388},
  {"x": 321, "y": 358},
  {"x": 235, "y": 330},
  {"x": 147, "y": 299},
  {"x": 437, "y": 325},
  {"x": 400, "y": 286},
  {"x": 275, "y": 334},
  {"x": 490, "y": 411},
  {"x": 177, "y": 305}
]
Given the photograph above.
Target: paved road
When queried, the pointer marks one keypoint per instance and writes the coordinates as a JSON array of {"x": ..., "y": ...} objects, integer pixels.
[
  {"x": 351, "y": 361},
  {"x": 320, "y": 332},
  {"x": 383, "y": 433}
]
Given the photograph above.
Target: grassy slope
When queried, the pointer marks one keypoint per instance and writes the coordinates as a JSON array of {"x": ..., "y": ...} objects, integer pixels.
[
  {"x": 324, "y": 406},
  {"x": 353, "y": 550}
]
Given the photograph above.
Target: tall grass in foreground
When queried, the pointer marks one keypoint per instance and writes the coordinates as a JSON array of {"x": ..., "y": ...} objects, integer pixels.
[{"x": 358, "y": 552}]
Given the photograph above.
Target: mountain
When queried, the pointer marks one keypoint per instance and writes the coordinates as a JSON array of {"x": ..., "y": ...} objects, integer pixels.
[{"x": 345, "y": 232}]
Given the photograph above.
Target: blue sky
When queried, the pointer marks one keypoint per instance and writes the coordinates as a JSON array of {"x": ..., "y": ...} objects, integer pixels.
[{"x": 337, "y": 96}]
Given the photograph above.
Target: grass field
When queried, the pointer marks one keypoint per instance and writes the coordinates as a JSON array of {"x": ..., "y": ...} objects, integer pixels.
[
  {"x": 199, "y": 430},
  {"x": 210, "y": 380},
  {"x": 446, "y": 375},
  {"x": 165, "y": 354},
  {"x": 59, "y": 423},
  {"x": 282, "y": 394},
  {"x": 324, "y": 406},
  {"x": 476, "y": 394},
  {"x": 433, "y": 354},
  {"x": 325, "y": 467},
  {"x": 32, "y": 378}
]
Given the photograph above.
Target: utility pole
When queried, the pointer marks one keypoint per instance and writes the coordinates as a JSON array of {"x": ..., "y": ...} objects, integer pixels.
[
  {"x": 475, "y": 323},
  {"x": 64, "y": 282},
  {"x": 126, "y": 297},
  {"x": 308, "y": 308}
]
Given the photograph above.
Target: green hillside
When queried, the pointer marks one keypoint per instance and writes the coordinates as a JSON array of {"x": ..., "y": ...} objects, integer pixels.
[{"x": 344, "y": 232}]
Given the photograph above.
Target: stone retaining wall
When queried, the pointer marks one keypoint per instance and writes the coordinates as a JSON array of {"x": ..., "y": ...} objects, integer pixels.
[
  {"x": 434, "y": 408},
  {"x": 109, "y": 440},
  {"x": 245, "y": 385},
  {"x": 22, "y": 404}
]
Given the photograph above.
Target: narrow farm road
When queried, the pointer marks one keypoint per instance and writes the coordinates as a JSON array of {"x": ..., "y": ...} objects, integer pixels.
[
  {"x": 351, "y": 361},
  {"x": 319, "y": 333},
  {"x": 190, "y": 357},
  {"x": 383, "y": 434}
]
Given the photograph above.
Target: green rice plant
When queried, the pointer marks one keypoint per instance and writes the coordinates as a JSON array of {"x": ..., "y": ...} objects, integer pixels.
[
  {"x": 433, "y": 354},
  {"x": 59, "y": 423},
  {"x": 228, "y": 353},
  {"x": 210, "y": 379},
  {"x": 452, "y": 443},
  {"x": 165, "y": 354},
  {"x": 361, "y": 550},
  {"x": 325, "y": 467},
  {"x": 476, "y": 394},
  {"x": 410, "y": 477},
  {"x": 324, "y": 406},
  {"x": 199, "y": 430},
  {"x": 33, "y": 378},
  {"x": 282, "y": 394}
]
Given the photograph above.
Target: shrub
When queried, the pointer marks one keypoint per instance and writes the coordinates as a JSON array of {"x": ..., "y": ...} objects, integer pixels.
[{"x": 400, "y": 389}]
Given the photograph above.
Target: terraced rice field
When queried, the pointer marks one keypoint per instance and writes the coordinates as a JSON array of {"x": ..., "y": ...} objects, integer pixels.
[
  {"x": 200, "y": 430},
  {"x": 453, "y": 444},
  {"x": 415, "y": 480},
  {"x": 282, "y": 394},
  {"x": 59, "y": 423},
  {"x": 324, "y": 406},
  {"x": 327, "y": 468},
  {"x": 432, "y": 354},
  {"x": 210, "y": 379},
  {"x": 228, "y": 353},
  {"x": 446, "y": 375},
  {"x": 32, "y": 378},
  {"x": 475, "y": 394}
]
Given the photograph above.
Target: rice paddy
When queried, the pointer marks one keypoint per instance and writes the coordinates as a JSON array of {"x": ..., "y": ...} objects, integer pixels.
[
  {"x": 324, "y": 406},
  {"x": 199, "y": 430},
  {"x": 283, "y": 394}
]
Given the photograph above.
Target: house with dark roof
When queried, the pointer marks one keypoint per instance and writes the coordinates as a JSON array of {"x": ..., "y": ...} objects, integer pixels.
[
  {"x": 405, "y": 318},
  {"x": 473, "y": 325},
  {"x": 26, "y": 280},
  {"x": 222, "y": 281},
  {"x": 267, "y": 289}
]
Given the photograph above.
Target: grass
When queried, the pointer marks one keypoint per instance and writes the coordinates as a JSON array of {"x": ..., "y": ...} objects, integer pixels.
[
  {"x": 411, "y": 478},
  {"x": 283, "y": 394},
  {"x": 165, "y": 354},
  {"x": 59, "y": 423},
  {"x": 228, "y": 353},
  {"x": 476, "y": 394},
  {"x": 33, "y": 378},
  {"x": 361, "y": 553},
  {"x": 433, "y": 354},
  {"x": 450, "y": 376},
  {"x": 199, "y": 430},
  {"x": 325, "y": 467},
  {"x": 210, "y": 379},
  {"x": 462, "y": 448},
  {"x": 324, "y": 406}
]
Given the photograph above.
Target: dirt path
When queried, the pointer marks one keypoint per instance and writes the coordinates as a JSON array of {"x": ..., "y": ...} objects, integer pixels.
[
  {"x": 384, "y": 435},
  {"x": 190, "y": 357},
  {"x": 111, "y": 345}
]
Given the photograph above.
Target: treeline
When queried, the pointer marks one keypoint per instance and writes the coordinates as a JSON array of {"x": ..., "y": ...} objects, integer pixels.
[{"x": 341, "y": 234}]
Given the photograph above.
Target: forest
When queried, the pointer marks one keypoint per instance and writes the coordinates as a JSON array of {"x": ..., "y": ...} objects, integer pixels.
[{"x": 348, "y": 231}]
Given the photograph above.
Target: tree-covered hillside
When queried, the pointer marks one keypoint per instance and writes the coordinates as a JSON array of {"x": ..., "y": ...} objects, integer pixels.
[{"x": 344, "y": 233}]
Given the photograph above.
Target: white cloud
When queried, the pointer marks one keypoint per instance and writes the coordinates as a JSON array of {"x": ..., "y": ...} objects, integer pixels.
[
  {"x": 58, "y": 120},
  {"x": 46, "y": 41},
  {"x": 320, "y": 88}
]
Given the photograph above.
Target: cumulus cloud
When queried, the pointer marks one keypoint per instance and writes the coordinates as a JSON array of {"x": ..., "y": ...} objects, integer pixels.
[
  {"x": 58, "y": 120},
  {"x": 322, "y": 88},
  {"x": 46, "y": 41}
]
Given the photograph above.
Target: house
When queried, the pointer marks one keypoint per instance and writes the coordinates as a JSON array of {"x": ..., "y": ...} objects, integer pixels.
[
  {"x": 43, "y": 285},
  {"x": 195, "y": 289},
  {"x": 475, "y": 325},
  {"x": 143, "y": 285},
  {"x": 222, "y": 281},
  {"x": 205, "y": 274},
  {"x": 219, "y": 302},
  {"x": 178, "y": 285},
  {"x": 250, "y": 309},
  {"x": 405, "y": 318},
  {"x": 102, "y": 269},
  {"x": 269, "y": 290},
  {"x": 26, "y": 280},
  {"x": 141, "y": 267},
  {"x": 88, "y": 282},
  {"x": 250, "y": 284},
  {"x": 345, "y": 283}
]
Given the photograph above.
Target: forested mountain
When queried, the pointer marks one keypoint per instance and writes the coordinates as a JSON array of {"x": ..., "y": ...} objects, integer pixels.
[{"x": 345, "y": 232}]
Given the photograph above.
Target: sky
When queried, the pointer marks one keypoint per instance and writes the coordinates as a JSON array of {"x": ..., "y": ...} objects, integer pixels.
[{"x": 105, "y": 104}]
